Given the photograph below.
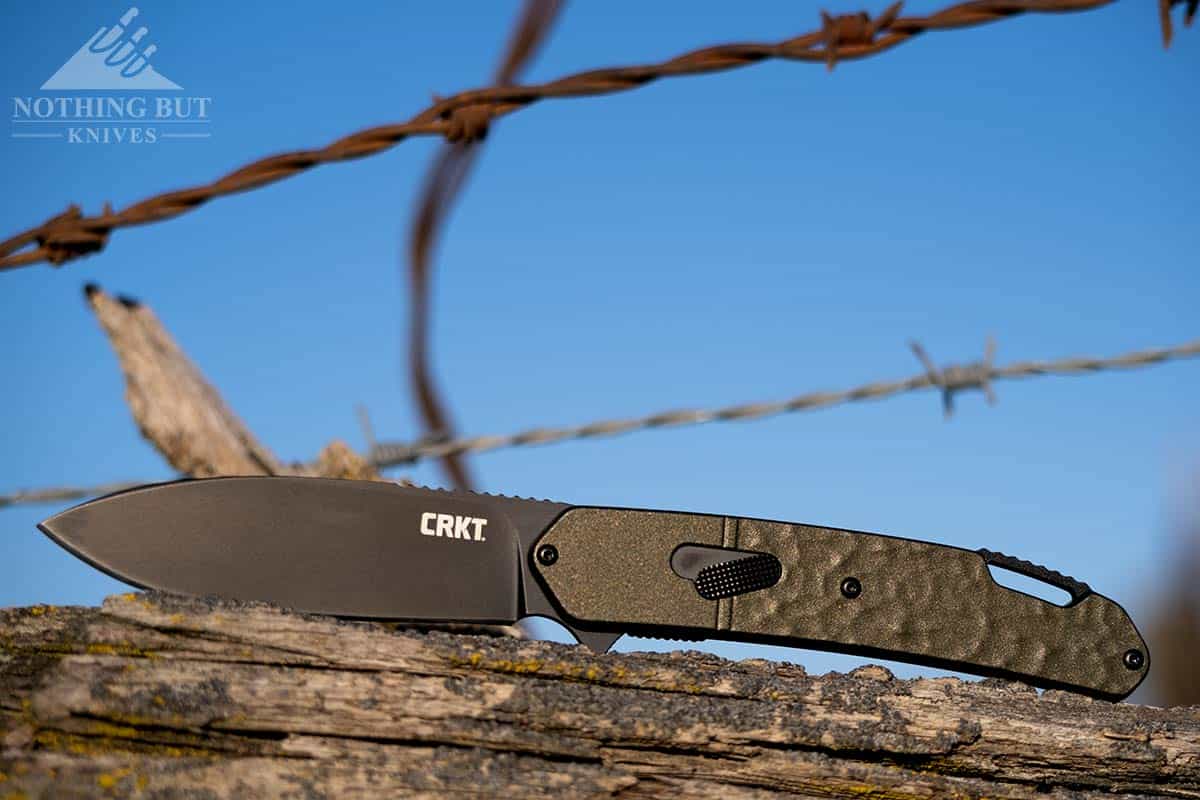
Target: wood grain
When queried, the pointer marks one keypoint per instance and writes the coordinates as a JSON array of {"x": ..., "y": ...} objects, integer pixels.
[
  {"x": 161, "y": 696},
  {"x": 183, "y": 415}
]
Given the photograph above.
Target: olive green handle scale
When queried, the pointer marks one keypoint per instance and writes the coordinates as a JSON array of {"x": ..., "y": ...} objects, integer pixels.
[{"x": 700, "y": 576}]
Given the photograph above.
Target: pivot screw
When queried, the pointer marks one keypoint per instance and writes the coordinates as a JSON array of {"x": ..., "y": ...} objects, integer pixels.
[
  {"x": 1134, "y": 659},
  {"x": 851, "y": 588},
  {"x": 547, "y": 554}
]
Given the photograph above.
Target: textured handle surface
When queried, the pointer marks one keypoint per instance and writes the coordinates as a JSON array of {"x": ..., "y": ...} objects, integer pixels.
[{"x": 841, "y": 591}]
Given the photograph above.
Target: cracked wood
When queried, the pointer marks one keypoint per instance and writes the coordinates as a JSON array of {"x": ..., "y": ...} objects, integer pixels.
[{"x": 155, "y": 695}]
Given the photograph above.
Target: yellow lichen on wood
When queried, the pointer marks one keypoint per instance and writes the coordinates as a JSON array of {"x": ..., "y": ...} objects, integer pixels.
[
  {"x": 106, "y": 738},
  {"x": 109, "y": 780},
  {"x": 759, "y": 727},
  {"x": 593, "y": 673},
  {"x": 134, "y": 597}
]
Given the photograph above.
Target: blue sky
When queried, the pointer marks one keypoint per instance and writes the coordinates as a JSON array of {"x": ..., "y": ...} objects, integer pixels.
[{"x": 728, "y": 238}]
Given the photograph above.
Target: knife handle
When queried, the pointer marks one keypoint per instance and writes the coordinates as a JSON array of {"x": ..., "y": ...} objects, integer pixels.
[{"x": 691, "y": 575}]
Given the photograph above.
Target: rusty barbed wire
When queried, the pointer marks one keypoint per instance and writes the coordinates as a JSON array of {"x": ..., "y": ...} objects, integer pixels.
[
  {"x": 447, "y": 175},
  {"x": 465, "y": 115},
  {"x": 948, "y": 379},
  {"x": 1164, "y": 16}
]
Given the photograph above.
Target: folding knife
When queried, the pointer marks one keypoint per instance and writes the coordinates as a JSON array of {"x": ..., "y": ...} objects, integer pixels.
[{"x": 380, "y": 551}]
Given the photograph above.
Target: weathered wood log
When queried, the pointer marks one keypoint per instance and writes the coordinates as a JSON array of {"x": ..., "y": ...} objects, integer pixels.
[
  {"x": 183, "y": 415},
  {"x": 161, "y": 696}
]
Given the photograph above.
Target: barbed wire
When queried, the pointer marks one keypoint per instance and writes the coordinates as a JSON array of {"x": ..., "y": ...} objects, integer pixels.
[
  {"x": 465, "y": 116},
  {"x": 949, "y": 380},
  {"x": 447, "y": 176},
  {"x": 41, "y": 496}
]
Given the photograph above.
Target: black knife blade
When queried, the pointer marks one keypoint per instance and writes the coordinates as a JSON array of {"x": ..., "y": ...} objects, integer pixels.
[{"x": 381, "y": 551}]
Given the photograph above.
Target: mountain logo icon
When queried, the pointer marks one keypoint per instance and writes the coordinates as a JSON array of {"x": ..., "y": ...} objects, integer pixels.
[{"x": 113, "y": 58}]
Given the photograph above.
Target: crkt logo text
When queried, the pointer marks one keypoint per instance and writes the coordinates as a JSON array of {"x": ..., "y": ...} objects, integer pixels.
[{"x": 451, "y": 526}]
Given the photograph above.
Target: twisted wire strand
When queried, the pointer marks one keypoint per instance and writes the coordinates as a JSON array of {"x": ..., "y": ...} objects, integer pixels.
[
  {"x": 949, "y": 378},
  {"x": 39, "y": 496},
  {"x": 463, "y": 116},
  {"x": 397, "y": 454}
]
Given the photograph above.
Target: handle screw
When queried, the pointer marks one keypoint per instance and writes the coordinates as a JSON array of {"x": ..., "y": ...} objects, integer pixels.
[
  {"x": 547, "y": 554},
  {"x": 851, "y": 588},
  {"x": 1133, "y": 659}
]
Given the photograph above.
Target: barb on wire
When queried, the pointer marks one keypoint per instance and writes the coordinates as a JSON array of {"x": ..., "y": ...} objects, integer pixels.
[
  {"x": 364, "y": 423},
  {"x": 1164, "y": 16},
  {"x": 948, "y": 379},
  {"x": 854, "y": 29},
  {"x": 443, "y": 183},
  {"x": 70, "y": 235},
  {"x": 956, "y": 377}
]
